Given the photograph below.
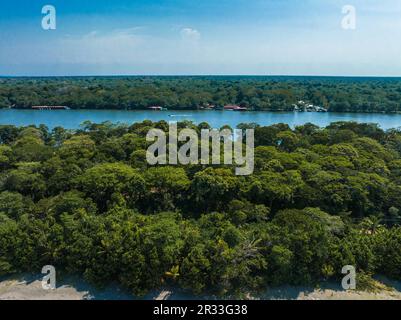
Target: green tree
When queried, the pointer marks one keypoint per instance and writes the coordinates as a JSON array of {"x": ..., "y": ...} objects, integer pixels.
[{"x": 102, "y": 181}]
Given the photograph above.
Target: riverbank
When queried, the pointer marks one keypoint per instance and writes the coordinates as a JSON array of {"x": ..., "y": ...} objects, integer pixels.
[
  {"x": 173, "y": 110},
  {"x": 29, "y": 287}
]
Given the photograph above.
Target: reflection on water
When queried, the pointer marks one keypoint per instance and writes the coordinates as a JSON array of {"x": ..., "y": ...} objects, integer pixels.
[{"x": 71, "y": 119}]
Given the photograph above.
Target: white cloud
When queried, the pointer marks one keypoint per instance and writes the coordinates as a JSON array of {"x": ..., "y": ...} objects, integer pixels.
[
  {"x": 190, "y": 34},
  {"x": 117, "y": 46}
]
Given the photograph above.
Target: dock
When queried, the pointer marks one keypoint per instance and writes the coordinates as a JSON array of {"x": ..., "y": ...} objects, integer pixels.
[{"x": 50, "y": 108}]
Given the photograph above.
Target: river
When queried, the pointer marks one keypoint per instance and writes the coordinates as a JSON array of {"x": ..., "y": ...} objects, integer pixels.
[{"x": 71, "y": 119}]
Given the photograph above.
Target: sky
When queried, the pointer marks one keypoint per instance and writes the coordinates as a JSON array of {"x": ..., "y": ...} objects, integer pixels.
[{"x": 200, "y": 37}]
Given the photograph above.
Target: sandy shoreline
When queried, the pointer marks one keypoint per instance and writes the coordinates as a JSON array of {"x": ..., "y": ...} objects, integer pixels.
[{"x": 30, "y": 288}]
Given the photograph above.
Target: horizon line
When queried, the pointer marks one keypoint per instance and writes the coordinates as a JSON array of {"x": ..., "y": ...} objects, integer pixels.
[{"x": 197, "y": 75}]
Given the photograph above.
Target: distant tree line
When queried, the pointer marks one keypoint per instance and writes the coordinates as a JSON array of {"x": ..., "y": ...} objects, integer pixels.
[
  {"x": 191, "y": 93},
  {"x": 87, "y": 202}
]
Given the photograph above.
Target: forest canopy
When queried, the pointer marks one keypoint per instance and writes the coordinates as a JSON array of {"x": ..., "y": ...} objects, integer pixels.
[
  {"x": 87, "y": 202},
  {"x": 191, "y": 93}
]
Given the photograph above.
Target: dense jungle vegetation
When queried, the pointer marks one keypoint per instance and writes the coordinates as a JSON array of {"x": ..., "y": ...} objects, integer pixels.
[
  {"x": 86, "y": 202},
  {"x": 255, "y": 93}
]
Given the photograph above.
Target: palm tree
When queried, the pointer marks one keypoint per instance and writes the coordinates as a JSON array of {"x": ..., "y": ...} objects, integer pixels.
[
  {"x": 372, "y": 225},
  {"x": 248, "y": 250},
  {"x": 173, "y": 273}
]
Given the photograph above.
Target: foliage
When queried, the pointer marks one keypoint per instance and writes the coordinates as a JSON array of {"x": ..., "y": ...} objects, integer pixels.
[
  {"x": 257, "y": 93},
  {"x": 87, "y": 202}
]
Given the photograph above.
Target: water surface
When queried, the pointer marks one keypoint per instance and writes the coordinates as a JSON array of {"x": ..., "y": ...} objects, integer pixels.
[{"x": 72, "y": 119}]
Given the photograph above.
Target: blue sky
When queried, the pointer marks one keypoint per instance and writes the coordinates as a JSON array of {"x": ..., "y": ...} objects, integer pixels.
[{"x": 264, "y": 37}]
